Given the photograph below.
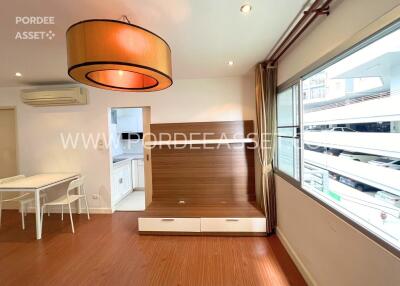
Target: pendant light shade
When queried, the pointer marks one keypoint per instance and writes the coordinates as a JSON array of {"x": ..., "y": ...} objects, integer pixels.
[{"x": 116, "y": 55}]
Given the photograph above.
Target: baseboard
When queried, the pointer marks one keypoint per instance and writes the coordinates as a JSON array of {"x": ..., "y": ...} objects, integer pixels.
[{"x": 302, "y": 268}]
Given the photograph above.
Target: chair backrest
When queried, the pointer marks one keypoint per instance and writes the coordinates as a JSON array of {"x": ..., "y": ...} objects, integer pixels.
[
  {"x": 75, "y": 184},
  {"x": 11, "y": 179}
]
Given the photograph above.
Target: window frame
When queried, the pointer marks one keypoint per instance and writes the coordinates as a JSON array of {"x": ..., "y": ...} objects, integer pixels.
[
  {"x": 295, "y": 88},
  {"x": 298, "y": 80}
]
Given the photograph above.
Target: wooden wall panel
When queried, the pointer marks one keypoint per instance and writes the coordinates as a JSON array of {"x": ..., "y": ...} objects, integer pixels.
[
  {"x": 225, "y": 173},
  {"x": 212, "y": 130},
  {"x": 205, "y": 174}
]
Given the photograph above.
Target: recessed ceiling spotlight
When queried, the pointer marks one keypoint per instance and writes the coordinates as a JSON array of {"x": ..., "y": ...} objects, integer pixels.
[
  {"x": 245, "y": 9},
  {"x": 18, "y": 74},
  {"x": 230, "y": 63}
]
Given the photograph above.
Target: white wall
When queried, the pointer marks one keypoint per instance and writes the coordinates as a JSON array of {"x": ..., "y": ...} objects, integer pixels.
[
  {"x": 332, "y": 251},
  {"x": 39, "y": 129},
  {"x": 328, "y": 250}
]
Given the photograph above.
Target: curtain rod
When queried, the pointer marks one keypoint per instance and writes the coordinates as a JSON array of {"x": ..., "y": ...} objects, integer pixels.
[{"x": 317, "y": 8}]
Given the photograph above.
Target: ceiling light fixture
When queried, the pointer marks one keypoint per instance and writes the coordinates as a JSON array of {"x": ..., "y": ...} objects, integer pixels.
[
  {"x": 245, "y": 9},
  {"x": 117, "y": 55},
  {"x": 230, "y": 63},
  {"x": 18, "y": 74}
]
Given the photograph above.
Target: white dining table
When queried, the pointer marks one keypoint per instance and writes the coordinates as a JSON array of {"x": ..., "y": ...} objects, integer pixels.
[{"x": 35, "y": 184}]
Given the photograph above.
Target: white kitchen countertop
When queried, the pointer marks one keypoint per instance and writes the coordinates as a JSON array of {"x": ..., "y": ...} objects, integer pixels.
[{"x": 126, "y": 157}]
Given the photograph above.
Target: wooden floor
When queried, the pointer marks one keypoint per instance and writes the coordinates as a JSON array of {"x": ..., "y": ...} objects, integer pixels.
[{"x": 109, "y": 251}]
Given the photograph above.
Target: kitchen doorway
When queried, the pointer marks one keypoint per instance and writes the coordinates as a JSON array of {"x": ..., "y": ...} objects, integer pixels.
[{"x": 129, "y": 160}]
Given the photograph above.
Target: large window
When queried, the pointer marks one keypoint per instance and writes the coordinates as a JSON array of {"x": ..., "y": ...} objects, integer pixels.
[{"x": 350, "y": 135}]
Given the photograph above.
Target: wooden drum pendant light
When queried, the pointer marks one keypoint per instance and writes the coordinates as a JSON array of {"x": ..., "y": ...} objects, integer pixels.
[{"x": 116, "y": 55}]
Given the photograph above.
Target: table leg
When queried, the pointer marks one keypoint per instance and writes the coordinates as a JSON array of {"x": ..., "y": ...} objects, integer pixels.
[{"x": 37, "y": 214}]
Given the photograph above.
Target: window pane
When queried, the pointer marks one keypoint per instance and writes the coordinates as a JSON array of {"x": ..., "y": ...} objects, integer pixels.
[
  {"x": 351, "y": 136},
  {"x": 285, "y": 108},
  {"x": 287, "y": 131},
  {"x": 288, "y": 151},
  {"x": 288, "y": 159}
]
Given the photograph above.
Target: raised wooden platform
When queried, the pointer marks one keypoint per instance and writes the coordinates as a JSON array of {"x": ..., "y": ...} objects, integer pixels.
[
  {"x": 203, "y": 218},
  {"x": 197, "y": 209}
]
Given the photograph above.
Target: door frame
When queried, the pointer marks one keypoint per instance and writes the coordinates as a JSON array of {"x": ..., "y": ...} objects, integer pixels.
[
  {"x": 14, "y": 108},
  {"x": 148, "y": 174},
  {"x": 13, "y": 205}
]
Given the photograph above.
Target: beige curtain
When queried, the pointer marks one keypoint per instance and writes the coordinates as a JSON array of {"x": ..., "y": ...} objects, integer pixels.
[{"x": 266, "y": 81}]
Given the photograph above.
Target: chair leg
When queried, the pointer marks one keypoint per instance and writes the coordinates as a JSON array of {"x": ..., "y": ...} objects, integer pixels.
[
  {"x": 72, "y": 221},
  {"x": 86, "y": 203},
  {"x": 78, "y": 202},
  {"x": 87, "y": 208},
  {"x": 44, "y": 201},
  {"x": 62, "y": 212}
]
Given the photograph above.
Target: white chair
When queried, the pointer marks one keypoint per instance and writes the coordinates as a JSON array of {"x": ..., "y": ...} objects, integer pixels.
[
  {"x": 68, "y": 199},
  {"x": 24, "y": 199}
]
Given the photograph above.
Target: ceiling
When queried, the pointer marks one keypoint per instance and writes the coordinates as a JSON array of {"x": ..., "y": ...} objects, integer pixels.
[{"x": 203, "y": 34}]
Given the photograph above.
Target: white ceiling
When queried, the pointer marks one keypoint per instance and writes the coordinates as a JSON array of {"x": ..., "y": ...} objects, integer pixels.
[{"x": 203, "y": 34}]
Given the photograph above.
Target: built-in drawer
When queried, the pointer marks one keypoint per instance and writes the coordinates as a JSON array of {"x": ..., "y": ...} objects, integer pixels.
[
  {"x": 170, "y": 224},
  {"x": 233, "y": 224}
]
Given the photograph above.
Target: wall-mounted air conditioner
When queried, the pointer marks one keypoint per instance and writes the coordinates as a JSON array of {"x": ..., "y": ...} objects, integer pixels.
[{"x": 55, "y": 97}]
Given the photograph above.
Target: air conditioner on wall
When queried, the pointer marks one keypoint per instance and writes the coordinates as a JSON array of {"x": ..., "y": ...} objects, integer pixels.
[{"x": 55, "y": 97}]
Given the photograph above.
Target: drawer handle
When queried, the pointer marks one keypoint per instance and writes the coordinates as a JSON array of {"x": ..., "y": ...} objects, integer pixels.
[
  {"x": 167, "y": 219},
  {"x": 232, "y": 219}
]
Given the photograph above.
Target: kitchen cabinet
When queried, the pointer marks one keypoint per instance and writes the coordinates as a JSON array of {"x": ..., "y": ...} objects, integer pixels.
[
  {"x": 127, "y": 175},
  {"x": 138, "y": 173},
  {"x": 122, "y": 181}
]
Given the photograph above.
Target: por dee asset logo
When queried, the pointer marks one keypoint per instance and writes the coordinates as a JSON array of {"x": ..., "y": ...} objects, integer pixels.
[{"x": 46, "y": 34}]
